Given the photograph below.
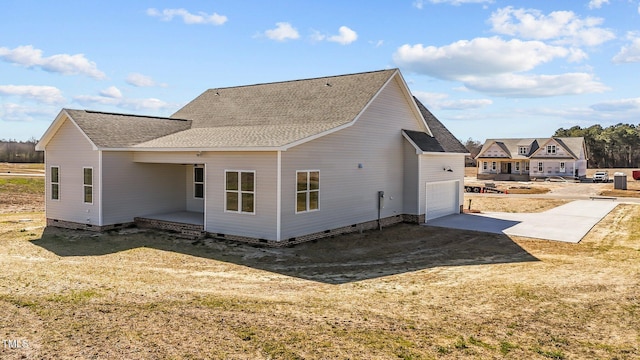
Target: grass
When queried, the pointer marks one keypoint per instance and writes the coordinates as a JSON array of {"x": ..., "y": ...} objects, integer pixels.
[
  {"x": 408, "y": 292},
  {"x": 21, "y": 185},
  {"x": 22, "y": 168}
]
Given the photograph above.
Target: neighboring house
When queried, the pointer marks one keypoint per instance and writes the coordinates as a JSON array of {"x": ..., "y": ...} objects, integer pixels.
[
  {"x": 524, "y": 159},
  {"x": 276, "y": 163}
]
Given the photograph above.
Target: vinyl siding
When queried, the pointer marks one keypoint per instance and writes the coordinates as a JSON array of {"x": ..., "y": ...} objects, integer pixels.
[
  {"x": 260, "y": 225},
  {"x": 411, "y": 183},
  {"x": 136, "y": 189},
  {"x": 193, "y": 204},
  {"x": 432, "y": 170},
  {"x": 349, "y": 194},
  {"x": 71, "y": 151}
]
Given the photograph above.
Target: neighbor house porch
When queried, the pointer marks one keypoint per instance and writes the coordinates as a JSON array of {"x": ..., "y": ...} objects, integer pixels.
[{"x": 503, "y": 169}]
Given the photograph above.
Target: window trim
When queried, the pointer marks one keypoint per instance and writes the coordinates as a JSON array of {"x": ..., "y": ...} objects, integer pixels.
[
  {"x": 517, "y": 166},
  {"x": 195, "y": 183},
  {"x": 85, "y": 186},
  {"x": 540, "y": 167},
  {"x": 551, "y": 149},
  {"x": 494, "y": 166},
  {"x": 308, "y": 192},
  {"x": 523, "y": 150},
  {"x": 240, "y": 191},
  {"x": 485, "y": 165},
  {"x": 51, "y": 183},
  {"x": 563, "y": 167}
]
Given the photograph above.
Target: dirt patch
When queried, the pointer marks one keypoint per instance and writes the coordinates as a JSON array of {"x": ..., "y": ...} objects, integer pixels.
[{"x": 409, "y": 292}]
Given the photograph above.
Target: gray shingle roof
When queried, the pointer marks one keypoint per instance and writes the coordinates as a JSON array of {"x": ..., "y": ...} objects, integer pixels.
[
  {"x": 109, "y": 130},
  {"x": 442, "y": 140},
  {"x": 328, "y": 100}
]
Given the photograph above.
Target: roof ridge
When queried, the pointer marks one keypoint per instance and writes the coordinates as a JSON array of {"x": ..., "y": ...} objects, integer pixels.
[
  {"x": 299, "y": 80},
  {"x": 132, "y": 115}
]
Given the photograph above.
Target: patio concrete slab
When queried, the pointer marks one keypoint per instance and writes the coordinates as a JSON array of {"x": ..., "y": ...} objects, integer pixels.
[{"x": 568, "y": 223}]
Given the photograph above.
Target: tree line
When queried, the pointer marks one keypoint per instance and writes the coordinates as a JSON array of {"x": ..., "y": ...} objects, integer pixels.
[
  {"x": 616, "y": 146},
  {"x": 20, "y": 151}
]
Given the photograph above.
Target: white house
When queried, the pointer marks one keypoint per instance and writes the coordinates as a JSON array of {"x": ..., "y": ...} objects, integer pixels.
[
  {"x": 276, "y": 163},
  {"x": 523, "y": 159}
]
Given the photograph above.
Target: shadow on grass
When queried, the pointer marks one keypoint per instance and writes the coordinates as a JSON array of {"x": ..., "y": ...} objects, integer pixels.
[{"x": 342, "y": 259}]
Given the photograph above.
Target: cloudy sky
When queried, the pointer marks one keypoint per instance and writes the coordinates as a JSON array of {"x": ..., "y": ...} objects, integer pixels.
[{"x": 485, "y": 68}]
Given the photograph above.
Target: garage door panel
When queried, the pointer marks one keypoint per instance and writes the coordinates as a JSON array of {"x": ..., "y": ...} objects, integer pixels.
[{"x": 442, "y": 199}]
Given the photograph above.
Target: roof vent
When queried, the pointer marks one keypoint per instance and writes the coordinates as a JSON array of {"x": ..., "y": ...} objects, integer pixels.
[{"x": 328, "y": 84}]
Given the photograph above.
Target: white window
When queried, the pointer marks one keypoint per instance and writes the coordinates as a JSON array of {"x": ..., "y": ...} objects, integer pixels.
[
  {"x": 198, "y": 182},
  {"x": 307, "y": 190},
  {"x": 523, "y": 150},
  {"x": 540, "y": 166},
  {"x": 493, "y": 165},
  {"x": 526, "y": 166},
  {"x": 517, "y": 166},
  {"x": 55, "y": 182},
  {"x": 88, "y": 184},
  {"x": 551, "y": 149},
  {"x": 484, "y": 165},
  {"x": 562, "y": 167},
  {"x": 240, "y": 191}
]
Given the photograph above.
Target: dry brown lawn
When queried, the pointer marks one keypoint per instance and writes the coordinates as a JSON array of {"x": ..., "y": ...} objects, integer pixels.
[{"x": 407, "y": 292}]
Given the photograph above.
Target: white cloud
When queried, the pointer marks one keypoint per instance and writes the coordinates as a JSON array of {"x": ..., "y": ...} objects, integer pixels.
[
  {"x": 187, "y": 17},
  {"x": 459, "y": 2},
  {"x": 111, "y": 92},
  {"x": 618, "y": 105},
  {"x": 21, "y": 112},
  {"x": 440, "y": 101},
  {"x": 562, "y": 27},
  {"x": 282, "y": 32},
  {"x": 418, "y": 4},
  {"x": 597, "y": 4},
  {"x": 377, "y": 43},
  {"x": 140, "y": 80},
  {"x": 124, "y": 103},
  {"x": 477, "y": 57},
  {"x": 346, "y": 36},
  {"x": 522, "y": 86},
  {"x": 65, "y": 64},
  {"x": 629, "y": 53},
  {"x": 43, "y": 94}
]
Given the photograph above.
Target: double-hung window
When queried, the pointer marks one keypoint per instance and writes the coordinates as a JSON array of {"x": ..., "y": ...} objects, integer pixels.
[
  {"x": 198, "y": 182},
  {"x": 484, "y": 165},
  {"x": 88, "y": 184},
  {"x": 55, "y": 182},
  {"x": 307, "y": 190},
  {"x": 540, "y": 166},
  {"x": 240, "y": 191},
  {"x": 551, "y": 149},
  {"x": 562, "y": 167}
]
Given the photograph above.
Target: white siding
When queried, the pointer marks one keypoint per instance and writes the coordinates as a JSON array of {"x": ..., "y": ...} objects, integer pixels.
[
  {"x": 433, "y": 169},
  {"x": 495, "y": 151},
  {"x": 349, "y": 194},
  {"x": 260, "y": 225},
  {"x": 193, "y": 203},
  {"x": 71, "y": 151},
  {"x": 411, "y": 180},
  {"x": 134, "y": 189}
]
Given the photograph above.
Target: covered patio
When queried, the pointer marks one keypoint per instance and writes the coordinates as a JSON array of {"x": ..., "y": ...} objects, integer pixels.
[{"x": 187, "y": 223}]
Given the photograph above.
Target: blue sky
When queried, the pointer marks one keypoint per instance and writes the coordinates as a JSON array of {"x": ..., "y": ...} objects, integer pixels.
[{"x": 485, "y": 68}]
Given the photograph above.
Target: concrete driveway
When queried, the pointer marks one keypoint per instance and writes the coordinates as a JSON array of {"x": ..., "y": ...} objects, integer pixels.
[{"x": 568, "y": 223}]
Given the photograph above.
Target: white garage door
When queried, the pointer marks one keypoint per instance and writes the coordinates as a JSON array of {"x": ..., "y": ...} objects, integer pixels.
[{"x": 442, "y": 199}]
